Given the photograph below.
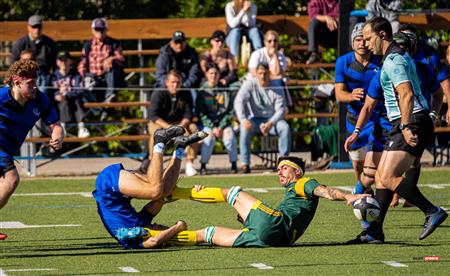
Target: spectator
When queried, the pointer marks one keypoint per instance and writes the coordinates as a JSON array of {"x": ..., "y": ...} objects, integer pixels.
[
  {"x": 275, "y": 59},
  {"x": 102, "y": 62},
  {"x": 223, "y": 59},
  {"x": 43, "y": 50},
  {"x": 260, "y": 109},
  {"x": 389, "y": 9},
  {"x": 241, "y": 20},
  {"x": 170, "y": 107},
  {"x": 215, "y": 110},
  {"x": 69, "y": 94},
  {"x": 323, "y": 26},
  {"x": 26, "y": 54},
  {"x": 177, "y": 55}
]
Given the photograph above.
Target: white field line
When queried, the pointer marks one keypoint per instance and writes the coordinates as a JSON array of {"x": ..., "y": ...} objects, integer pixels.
[
  {"x": 394, "y": 264},
  {"x": 2, "y": 272},
  {"x": 256, "y": 190},
  {"x": 261, "y": 266},
  {"x": 30, "y": 269},
  {"x": 129, "y": 269},
  {"x": 20, "y": 225}
]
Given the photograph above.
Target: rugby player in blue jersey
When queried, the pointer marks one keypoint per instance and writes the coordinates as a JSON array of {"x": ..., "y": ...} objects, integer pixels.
[
  {"x": 354, "y": 71},
  {"x": 115, "y": 187},
  {"x": 422, "y": 52},
  {"x": 407, "y": 110},
  {"x": 21, "y": 105}
]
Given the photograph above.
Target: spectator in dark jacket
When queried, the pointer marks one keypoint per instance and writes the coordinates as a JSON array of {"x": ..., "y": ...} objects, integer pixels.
[
  {"x": 323, "y": 26},
  {"x": 170, "y": 107},
  {"x": 181, "y": 57},
  {"x": 43, "y": 49}
]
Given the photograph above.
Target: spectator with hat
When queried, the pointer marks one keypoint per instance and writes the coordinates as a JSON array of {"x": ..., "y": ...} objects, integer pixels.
[
  {"x": 43, "y": 50},
  {"x": 69, "y": 93},
  {"x": 102, "y": 62},
  {"x": 224, "y": 60},
  {"x": 178, "y": 55}
]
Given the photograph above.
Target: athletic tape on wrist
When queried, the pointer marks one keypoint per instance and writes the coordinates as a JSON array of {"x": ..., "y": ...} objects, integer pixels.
[
  {"x": 233, "y": 192},
  {"x": 179, "y": 153}
]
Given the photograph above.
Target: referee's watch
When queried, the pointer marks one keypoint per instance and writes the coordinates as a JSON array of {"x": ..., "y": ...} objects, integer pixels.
[{"x": 403, "y": 126}]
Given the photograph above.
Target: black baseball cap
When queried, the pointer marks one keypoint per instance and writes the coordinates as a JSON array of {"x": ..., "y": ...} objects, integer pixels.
[
  {"x": 218, "y": 34},
  {"x": 178, "y": 36}
]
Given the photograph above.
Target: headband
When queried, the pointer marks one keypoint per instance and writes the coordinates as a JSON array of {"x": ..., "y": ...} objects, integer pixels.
[
  {"x": 291, "y": 164},
  {"x": 19, "y": 78}
]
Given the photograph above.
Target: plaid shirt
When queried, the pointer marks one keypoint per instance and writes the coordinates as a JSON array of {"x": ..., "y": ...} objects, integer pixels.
[{"x": 100, "y": 50}]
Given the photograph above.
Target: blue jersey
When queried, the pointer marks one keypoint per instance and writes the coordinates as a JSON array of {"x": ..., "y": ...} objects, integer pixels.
[
  {"x": 398, "y": 67},
  {"x": 16, "y": 120},
  {"x": 115, "y": 209},
  {"x": 440, "y": 70},
  {"x": 355, "y": 75}
]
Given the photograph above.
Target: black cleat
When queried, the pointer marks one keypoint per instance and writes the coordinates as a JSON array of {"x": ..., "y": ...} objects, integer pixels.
[
  {"x": 371, "y": 237},
  {"x": 163, "y": 135},
  {"x": 184, "y": 141},
  {"x": 432, "y": 222}
]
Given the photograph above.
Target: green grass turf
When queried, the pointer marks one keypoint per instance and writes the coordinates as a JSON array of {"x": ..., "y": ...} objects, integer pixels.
[{"x": 89, "y": 250}]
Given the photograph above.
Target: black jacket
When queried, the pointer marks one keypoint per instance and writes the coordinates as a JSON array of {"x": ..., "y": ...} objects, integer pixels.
[
  {"x": 172, "y": 111},
  {"x": 186, "y": 62},
  {"x": 44, "y": 51}
]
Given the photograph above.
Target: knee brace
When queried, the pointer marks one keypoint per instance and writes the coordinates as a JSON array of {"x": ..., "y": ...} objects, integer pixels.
[{"x": 232, "y": 194}]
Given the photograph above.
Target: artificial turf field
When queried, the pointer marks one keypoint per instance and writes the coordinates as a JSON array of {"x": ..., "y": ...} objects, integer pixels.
[{"x": 87, "y": 249}]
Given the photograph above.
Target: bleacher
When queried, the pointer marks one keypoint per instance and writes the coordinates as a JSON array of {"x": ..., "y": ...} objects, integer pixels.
[{"x": 140, "y": 31}]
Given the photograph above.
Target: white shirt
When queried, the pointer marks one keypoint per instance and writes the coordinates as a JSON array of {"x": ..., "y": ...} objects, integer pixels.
[
  {"x": 261, "y": 56},
  {"x": 247, "y": 19}
]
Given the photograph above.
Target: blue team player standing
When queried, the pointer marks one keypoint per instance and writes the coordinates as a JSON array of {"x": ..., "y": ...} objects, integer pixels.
[
  {"x": 21, "y": 105},
  {"x": 354, "y": 71}
]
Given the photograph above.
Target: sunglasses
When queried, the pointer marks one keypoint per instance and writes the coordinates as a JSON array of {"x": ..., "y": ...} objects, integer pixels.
[
  {"x": 99, "y": 29},
  {"x": 271, "y": 40},
  {"x": 37, "y": 26},
  {"x": 218, "y": 40}
]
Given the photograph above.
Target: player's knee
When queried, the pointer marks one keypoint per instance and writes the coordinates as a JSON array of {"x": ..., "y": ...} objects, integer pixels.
[
  {"x": 368, "y": 176},
  {"x": 209, "y": 234},
  {"x": 232, "y": 194}
]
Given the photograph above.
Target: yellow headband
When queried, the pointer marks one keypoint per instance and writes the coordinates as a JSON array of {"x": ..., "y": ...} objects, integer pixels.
[{"x": 290, "y": 163}]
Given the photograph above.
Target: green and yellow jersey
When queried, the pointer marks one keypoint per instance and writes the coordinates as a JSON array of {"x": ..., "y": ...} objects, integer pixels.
[{"x": 299, "y": 205}]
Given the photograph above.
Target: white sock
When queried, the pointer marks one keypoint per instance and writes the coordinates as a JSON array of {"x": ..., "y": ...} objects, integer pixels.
[{"x": 158, "y": 148}]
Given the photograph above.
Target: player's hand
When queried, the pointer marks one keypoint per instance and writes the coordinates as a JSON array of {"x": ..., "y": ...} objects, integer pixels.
[
  {"x": 352, "y": 198},
  {"x": 56, "y": 143},
  {"x": 198, "y": 187},
  {"x": 181, "y": 225},
  {"x": 349, "y": 141},
  {"x": 410, "y": 138},
  {"x": 357, "y": 94}
]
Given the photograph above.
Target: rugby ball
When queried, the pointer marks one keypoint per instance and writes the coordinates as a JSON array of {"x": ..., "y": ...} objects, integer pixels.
[{"x": 366, "y": 209}]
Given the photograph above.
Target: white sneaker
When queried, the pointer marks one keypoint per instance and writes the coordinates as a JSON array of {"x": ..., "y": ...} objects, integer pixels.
[
  {"x": 190, "y": 170},
  {"x": 83, "y": 132}
]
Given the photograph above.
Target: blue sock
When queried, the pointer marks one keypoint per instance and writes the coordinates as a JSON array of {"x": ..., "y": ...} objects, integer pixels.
[
  {"x": 179, "y": 153},
  {"x": 359, "y": 188}
]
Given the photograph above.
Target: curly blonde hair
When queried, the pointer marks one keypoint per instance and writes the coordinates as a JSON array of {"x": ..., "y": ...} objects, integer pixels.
[{"x": 21, "y": 68}]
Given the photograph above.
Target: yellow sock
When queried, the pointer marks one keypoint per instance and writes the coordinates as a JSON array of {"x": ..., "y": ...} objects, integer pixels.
[
  {"x": 207, "y": 195},
  {"x": 185, "y": 238}
]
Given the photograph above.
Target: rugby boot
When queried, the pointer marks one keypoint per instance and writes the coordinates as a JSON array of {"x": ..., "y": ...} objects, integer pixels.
[
  {"x": 432, "y": 222},
  {"x": 3, "y": 236},
  {"x": 125, "y": 234},
  {"x": 372, "y": 237},
  {"x": 164, "y": 135},
  {"x": 184, "y": 141}
]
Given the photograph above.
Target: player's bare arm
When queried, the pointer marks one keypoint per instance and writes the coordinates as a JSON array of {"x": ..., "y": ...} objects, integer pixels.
[
  {"x": 165, "y": 235},
  {"x": 335, "y": 194}
]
